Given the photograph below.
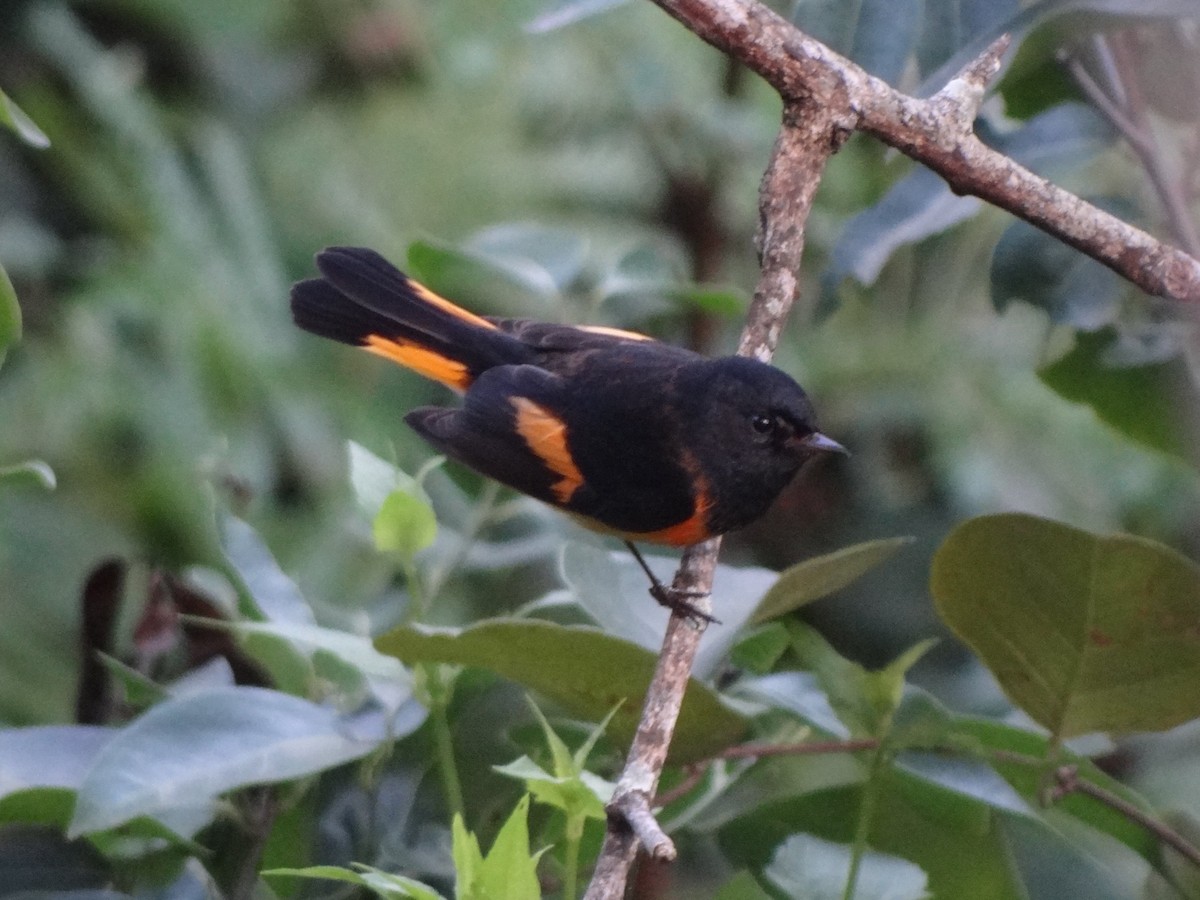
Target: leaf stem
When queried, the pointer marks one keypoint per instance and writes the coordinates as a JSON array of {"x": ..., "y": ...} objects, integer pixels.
[
  {"x": 439, "y": 696},
  {"x": 1067, "y": 781},
  {"x": 866, "y": 813},
  {"x": 571, "y": 857}
]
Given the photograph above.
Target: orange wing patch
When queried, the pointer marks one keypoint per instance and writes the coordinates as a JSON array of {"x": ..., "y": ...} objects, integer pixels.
[
  {"x": 421, "y": 360},
  {"x": 546, "y": 435},
  {"x": 446, "y": 306},
  {"x": 614, "y": 332}
]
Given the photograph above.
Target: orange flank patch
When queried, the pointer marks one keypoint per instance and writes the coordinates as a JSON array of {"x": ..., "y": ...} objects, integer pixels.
[
  {"x": 615, "y": 332},
  {"x": 421, "y": 360},
  {"x": 691, "y": 530},
  {"x": 446, "y": 306},
  {"x": 546, "y": 435}
]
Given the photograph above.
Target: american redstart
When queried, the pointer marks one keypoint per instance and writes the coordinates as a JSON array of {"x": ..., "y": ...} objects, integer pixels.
[{"x": 627, "y": 435}]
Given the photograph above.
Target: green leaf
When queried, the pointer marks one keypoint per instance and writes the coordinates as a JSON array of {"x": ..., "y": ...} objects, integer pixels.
[
  {"x": 712, "y": 300},
  {"x": 10, "y": 312},
  {"x": 822, "y": 575},
  {"x": 809, "y": 867},
  {"x": 586, "y": 670},
  {"x": 1142, "y": 402},
  {"x": 879, "y": 35},
  {"x": 864, "y": 701},
  {"x": 385, "y": 884},
  {"x": 138, "y": 690},
  {"x": 760, "y": 651},
  {"x": 1071, "y": 288},
  {"x": 742, "y": 886},
  {"x": 468, "y": 859},
  {"x": 405, "y": 525},
  {"x": 374, "y": 478},
  {"x": 1084, "y": 633},
  {"x": 14, "y": 117},
  {"x": 571, "y": 788},
  {"x": 34, "y": 469},
  {"x": 955, "y": 840},
  {"x": 351, "y": 648},
  {"x": 185, "y": 752},
  {"x": 274, "y": 594},
  {"x": 612, "y": 589},
  {"x": 49, "y": 756},
  {"x": 1002, "y": 745},
  {"x": 509, "y": 870}
]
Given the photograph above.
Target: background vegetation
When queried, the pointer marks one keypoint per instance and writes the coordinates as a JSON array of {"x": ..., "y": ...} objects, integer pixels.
[{"x": 580, "y": 164}]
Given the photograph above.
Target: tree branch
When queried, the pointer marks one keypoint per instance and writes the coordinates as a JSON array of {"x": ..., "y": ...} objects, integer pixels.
[
  {"x": 799, "y": 67},
  {"x": 806, "y": 141}
]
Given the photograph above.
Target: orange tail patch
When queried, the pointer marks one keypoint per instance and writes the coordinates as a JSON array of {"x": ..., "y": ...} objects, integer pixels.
[{"x": 421, "y": 360}]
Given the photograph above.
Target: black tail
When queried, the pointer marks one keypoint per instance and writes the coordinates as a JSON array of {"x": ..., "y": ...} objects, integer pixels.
[{"x": 365, "y": 301}]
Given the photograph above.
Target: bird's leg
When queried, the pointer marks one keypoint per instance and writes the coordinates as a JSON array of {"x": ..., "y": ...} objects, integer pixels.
[{"x": 674, "y": 599}]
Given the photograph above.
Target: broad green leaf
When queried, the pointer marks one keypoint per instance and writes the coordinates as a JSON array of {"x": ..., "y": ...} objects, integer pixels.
[
  {"x": 10, "y": 312},
  {"x": 405, "y": 525},
  {"x": 352, "y": 648},
  {"x": 520, "y": 246},
  {"x": 948, "y": 24},
  {"x": 809, "y": 867},
  {"x": 1142, "y": 401},
  {"x": 51, "y": 807},
  {"x": 742, "y": 886},
  {"x": 982, "y": 750},
  {"x": 275, "y": 595},
  {"x": 14, "y": 117},
  {"x": 1069, "y": 286},
  {"x": 822, "y": 575},
  {"x": 33, "y": 469},
  {"x": 760, "y": 651},
  {"x": 185, "y": 752},
  {"x": 879, "y": 35},
  {"x": 921, "y": 204},
  {"x": 1027, "y": 17},
  {"x": 386, "y": 884},
  {"x": 49, "y": 756},
  {"x": 613, "y": 590},
  {"x": 586, "y": 670},
  {"x": 1084, "y": 633},
  {"x": 506, "y": 269},
  {"x": 1000, "y": 745},
  {"x": 954, "y": 839}
]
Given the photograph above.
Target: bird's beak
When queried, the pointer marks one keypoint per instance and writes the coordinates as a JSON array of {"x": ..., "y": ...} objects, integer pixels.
[{"x": 819, "y": 442}]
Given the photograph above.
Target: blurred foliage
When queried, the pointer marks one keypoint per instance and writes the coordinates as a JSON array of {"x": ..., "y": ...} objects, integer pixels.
[{"x": 232, "y": 523}]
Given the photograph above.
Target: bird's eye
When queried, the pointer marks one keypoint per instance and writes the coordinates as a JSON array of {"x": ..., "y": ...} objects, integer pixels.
[{"x": 762, "y": 424}]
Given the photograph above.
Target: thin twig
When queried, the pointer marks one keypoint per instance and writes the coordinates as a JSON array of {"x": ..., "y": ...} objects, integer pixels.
[{"x": 1067, "y": 781}]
